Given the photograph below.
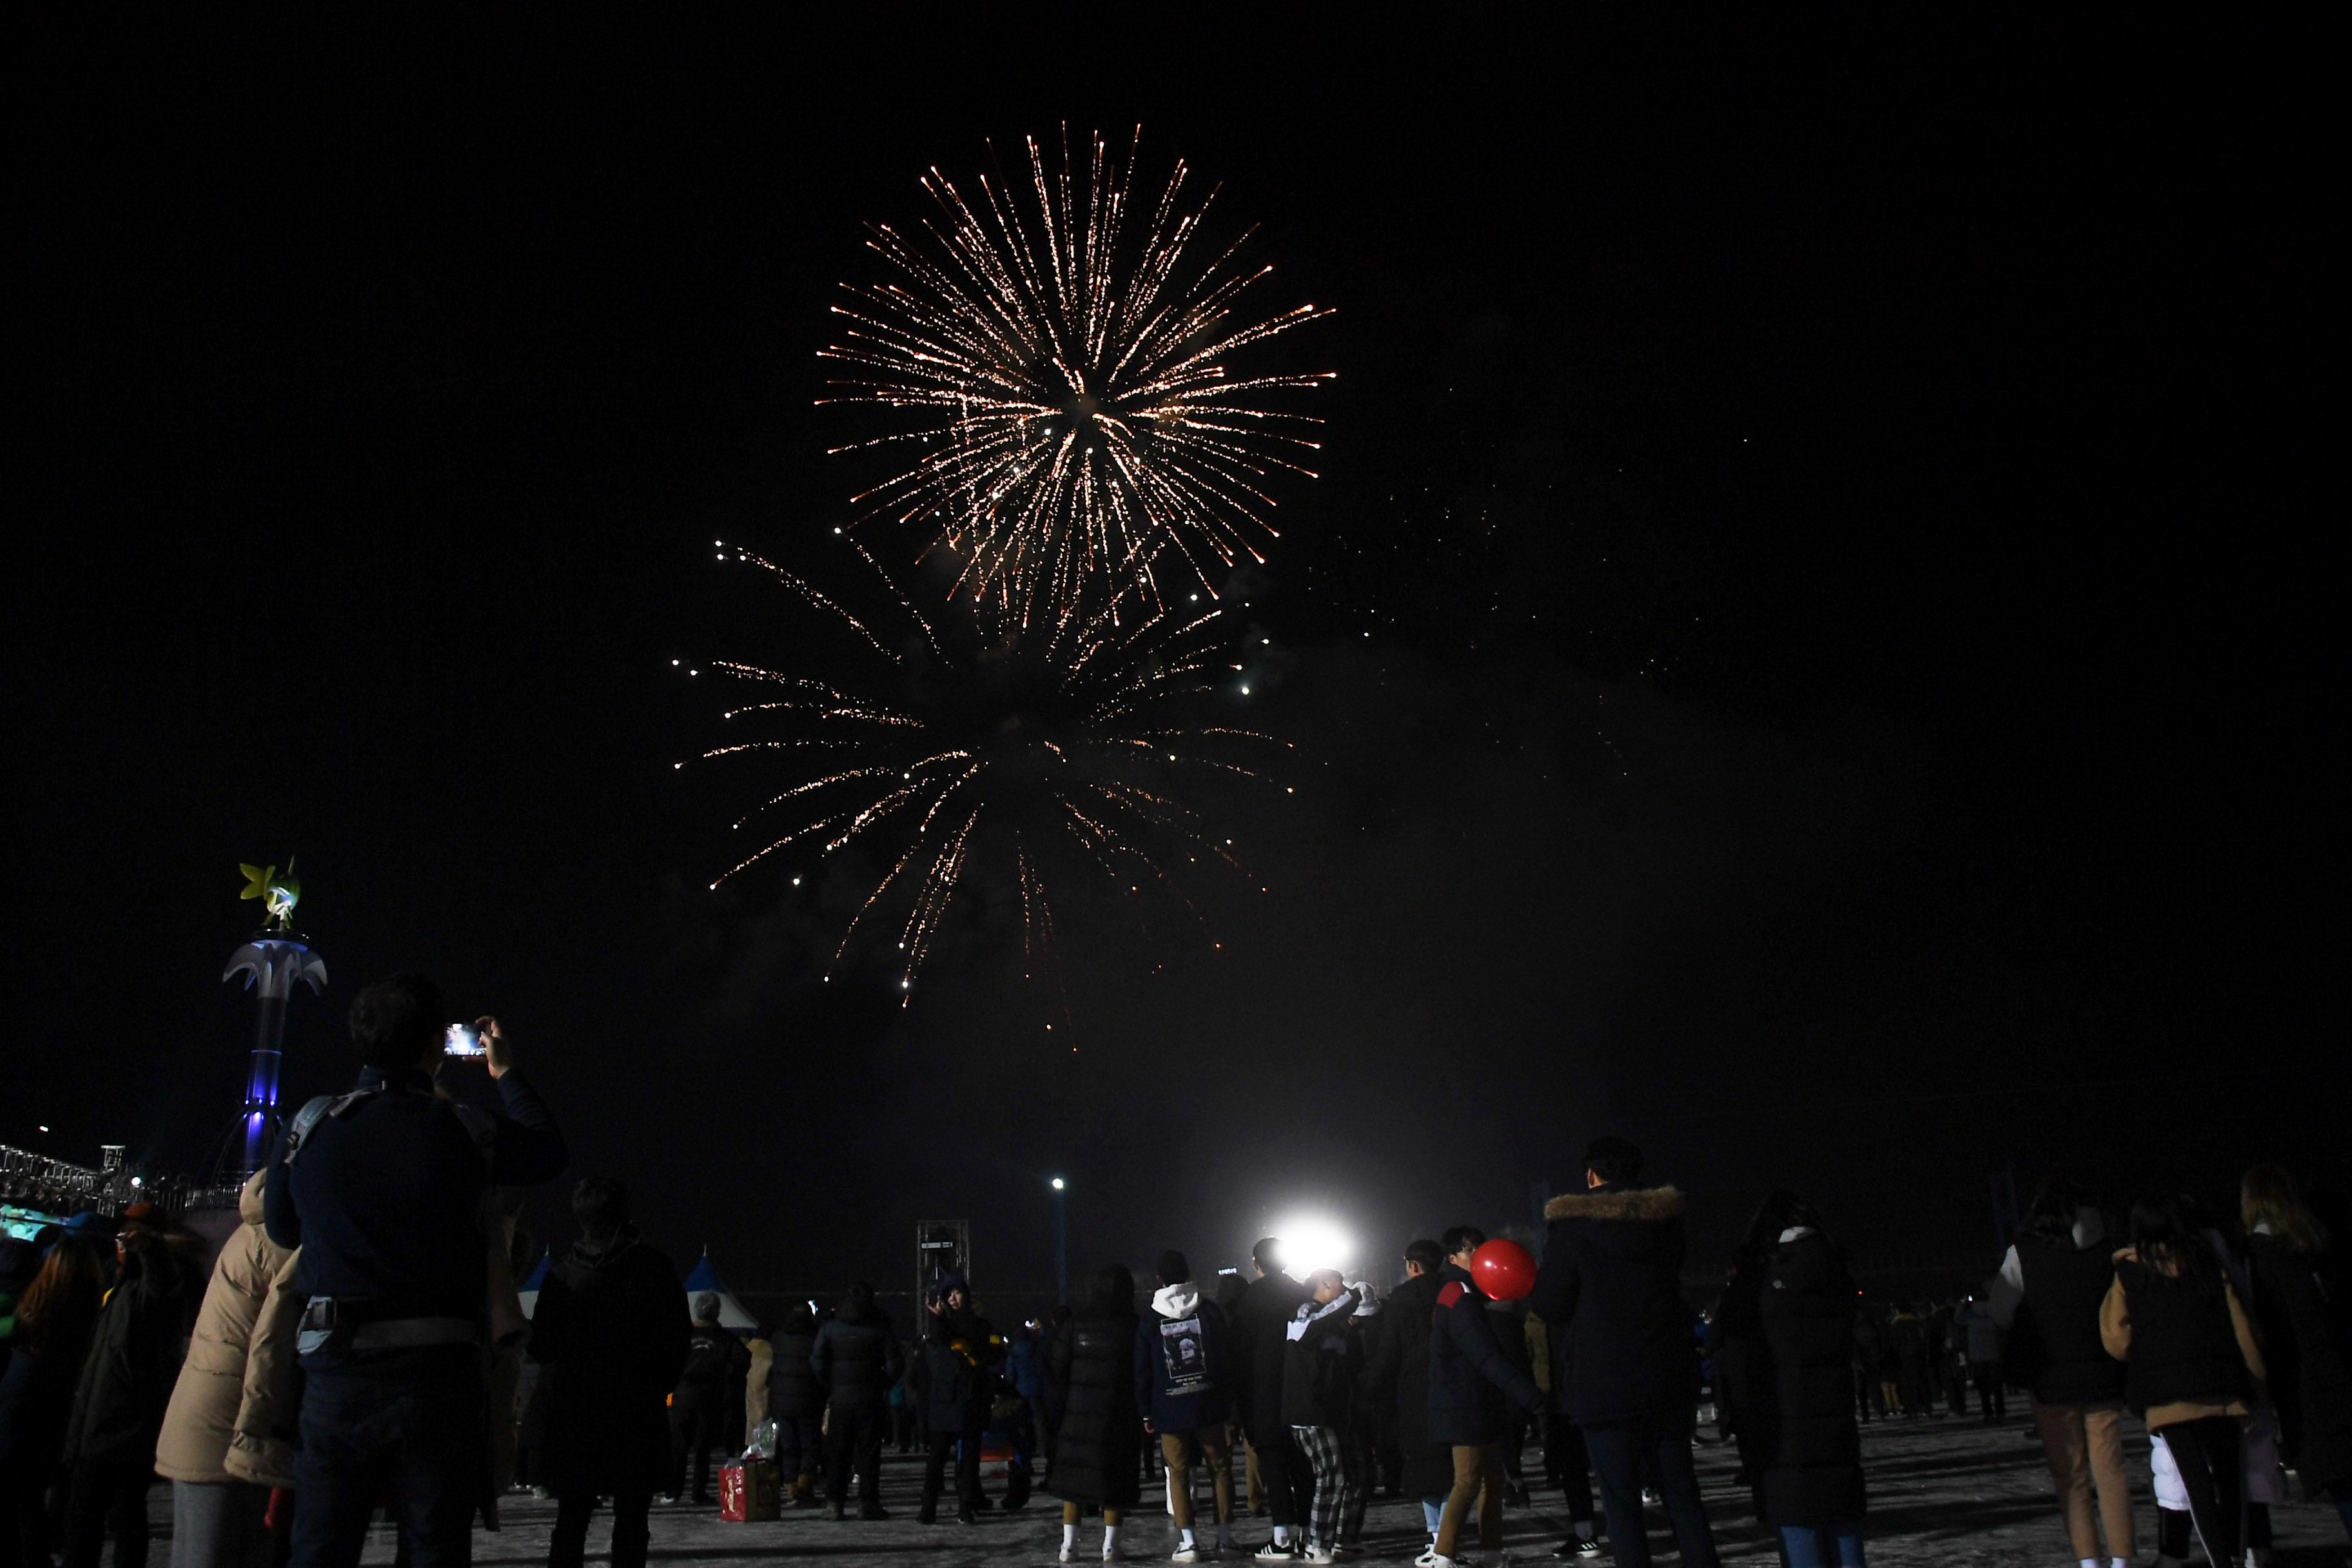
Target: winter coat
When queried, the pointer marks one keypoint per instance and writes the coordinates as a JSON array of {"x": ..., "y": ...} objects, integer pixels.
[
  {"x": 755, "y": 1385},
  {"x": 37, "y": 1392},
  {"x": 2303, "y": 1308},
  {"x": 855, "y": 1359},
  {"x": 1741, "y": 1363},
  {"x": 2188, "y": 1350},
  {"x": 201, "y": 1418},
  {"x": 269, "y": 1408},
  {"x": 1810, "y": 1448},
  {"x": 1261, "y": 1325},
  {"x": 1610, "y": 1285},
  {"x": 1976, "y": 1338},
  {"x": 961, "y": 1355},
  {"x": 1180, "y": 1350},
  {"x": 1321, "y": 1363},
  {"x": 261, "y": 1445},
  {"x": 133, "y": 1362},
  {"x": 1472, "y": 1379},
  {"x": 717, "y": 1362},
  {"x": 1022, "y": 1368},
  {"x": 612, "y": 1338},
  {"x": 792, "y": 1388},
  {"x": 1101, "y": 1430},
  {"x": 1396, "y": 1373}
]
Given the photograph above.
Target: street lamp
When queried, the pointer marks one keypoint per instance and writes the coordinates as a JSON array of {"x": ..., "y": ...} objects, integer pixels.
[{"x": 1061, "y": 1241}]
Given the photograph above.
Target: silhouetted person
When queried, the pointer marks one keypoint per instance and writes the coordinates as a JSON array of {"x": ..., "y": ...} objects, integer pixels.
[
  {"x": 1101, "y": 1427},
  {"x": 1181, "y": 1355},
  {"x": 857, "y": 1364},
  {"x": 1473, "y": 1386},
  {"x": 1612, "y": 1283},
  {"x": 2191, "y": 1362},
  {"x": 382, "y": 1189},
  {"x": 1262, "y": 1324},
  {"x": 702, "y": 1412},
  {"x": 961, "y": 1357},
  {"x": 610, "y": 1338}
]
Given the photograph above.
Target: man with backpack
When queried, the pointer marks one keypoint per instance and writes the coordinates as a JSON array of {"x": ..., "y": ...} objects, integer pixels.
[{"x": 382, "y": 1189}]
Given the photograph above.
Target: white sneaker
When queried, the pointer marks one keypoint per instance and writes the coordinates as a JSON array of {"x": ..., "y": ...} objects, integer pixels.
[
  {"x": 1319, "y": 1552},
  {"x": 1069, "y": 1554},
  {"x": 1428, "y": 1558},
  {"x": 1184, "y": 1553}
]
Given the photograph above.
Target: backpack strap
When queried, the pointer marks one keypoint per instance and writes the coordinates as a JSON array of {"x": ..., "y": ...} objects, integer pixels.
[{"x": 317, "y": 1110}]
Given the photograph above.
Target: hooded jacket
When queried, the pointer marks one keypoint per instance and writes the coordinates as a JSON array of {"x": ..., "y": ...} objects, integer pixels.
[
  {"x": 1181, "y": 1352},
  {"x": 1101, "y": 1431},
  {"x": 855, "y": 1358},
  {"x": 1610, "y": 1285},
  {"x": 201, "y": 1418},
  {"x": 793, "y": 1391},
  {"x": 1811, "y": 1449},
  {"x": 1396, "y": 1378},
  {"x": 610, "y": 1334},
  {"x": 1471, "y": 1378},
  {"x": 1261, "y": 1326},
  {"x": 135, "y": 1353},
  {"x": 1320, "y": 1360},
  {"x": 961, "y": 1354},
  {"x": 2303, "y": 1307}
]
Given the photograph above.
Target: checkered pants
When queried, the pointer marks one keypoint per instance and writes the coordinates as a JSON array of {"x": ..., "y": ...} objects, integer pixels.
[{"x": 1342, "y": 1462}]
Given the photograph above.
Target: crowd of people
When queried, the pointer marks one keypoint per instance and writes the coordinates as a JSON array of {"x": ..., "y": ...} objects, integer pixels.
[{"x": 360, "y": 1346}]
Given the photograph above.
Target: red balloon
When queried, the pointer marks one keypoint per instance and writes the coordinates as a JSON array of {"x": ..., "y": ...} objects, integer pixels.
[{"x": 1504, "y": 1269}]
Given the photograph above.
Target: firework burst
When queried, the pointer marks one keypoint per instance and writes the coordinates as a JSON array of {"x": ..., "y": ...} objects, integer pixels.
[
  {"x": 1056, "y": 360},
  {"x": 964, "y": 742}
]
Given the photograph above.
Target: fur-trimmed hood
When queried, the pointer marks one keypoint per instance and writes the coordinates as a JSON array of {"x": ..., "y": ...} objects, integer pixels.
[{"x": 1617, "y": 1203}]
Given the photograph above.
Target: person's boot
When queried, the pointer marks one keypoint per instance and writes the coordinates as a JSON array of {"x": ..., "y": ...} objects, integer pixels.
[{"x": 929, "y": 1512}]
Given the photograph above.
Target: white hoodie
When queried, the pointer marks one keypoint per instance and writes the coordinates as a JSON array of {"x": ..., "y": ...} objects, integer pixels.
[{"x": 1181, "y": 1299}]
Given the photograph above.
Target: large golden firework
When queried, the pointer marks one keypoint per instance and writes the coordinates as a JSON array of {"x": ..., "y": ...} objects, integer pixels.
[
  {"x": 965, "y": 740},
  {"x": 1060, "y": 370}
]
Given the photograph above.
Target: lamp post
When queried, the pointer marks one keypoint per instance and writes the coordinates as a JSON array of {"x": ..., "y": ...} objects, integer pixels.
[{"x": 1061, "y": 1241}]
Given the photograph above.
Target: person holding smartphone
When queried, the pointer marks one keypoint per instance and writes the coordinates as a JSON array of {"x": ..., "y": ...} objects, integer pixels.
[{"x": 382, "y": 1190}]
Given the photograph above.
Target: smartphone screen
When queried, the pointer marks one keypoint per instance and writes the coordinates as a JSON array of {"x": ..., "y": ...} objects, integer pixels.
[{"x": 463, "y": 1041}]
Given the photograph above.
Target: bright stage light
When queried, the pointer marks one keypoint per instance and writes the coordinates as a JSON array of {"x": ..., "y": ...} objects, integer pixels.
[{"x": 1312, "y": 1241}]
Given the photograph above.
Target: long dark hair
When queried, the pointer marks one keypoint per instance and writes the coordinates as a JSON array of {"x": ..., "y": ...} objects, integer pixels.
[
  {"x": 2051, "y": 1215},
  {"x": 2169, "y": 1235},
  {"x": 60, "y": 1305},
  {"x": 1115, "y": 1288}
]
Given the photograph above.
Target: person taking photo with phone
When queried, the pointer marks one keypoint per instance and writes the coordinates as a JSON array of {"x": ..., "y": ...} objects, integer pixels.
[{"x": 382, "y": 1189}]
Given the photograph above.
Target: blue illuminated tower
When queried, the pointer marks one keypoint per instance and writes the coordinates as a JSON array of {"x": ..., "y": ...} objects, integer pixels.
[{"x": 273, "y": 961}]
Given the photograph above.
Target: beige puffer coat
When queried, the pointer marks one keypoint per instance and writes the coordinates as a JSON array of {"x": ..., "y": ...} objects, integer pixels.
[
  {"x": 195, "y": 1441},
  {"x": 261, "y": 1447}
]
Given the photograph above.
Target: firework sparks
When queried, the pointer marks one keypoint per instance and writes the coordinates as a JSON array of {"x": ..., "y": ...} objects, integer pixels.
[
  {"x": 968, "y": 741},
  {"x": 1058, "y": 362}
]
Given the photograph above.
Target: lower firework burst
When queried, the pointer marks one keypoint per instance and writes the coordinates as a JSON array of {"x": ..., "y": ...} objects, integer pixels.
[{"x": 969, "y": 746}]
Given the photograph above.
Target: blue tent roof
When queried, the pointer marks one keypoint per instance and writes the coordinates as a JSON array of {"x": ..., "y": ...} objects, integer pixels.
[
  {"x": 703, "y": 1277},
  {"x": 537, "y": 1278}
]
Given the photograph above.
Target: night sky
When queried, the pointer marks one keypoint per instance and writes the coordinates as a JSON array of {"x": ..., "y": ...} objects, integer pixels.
[{"x": 1810, "y": 650}]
